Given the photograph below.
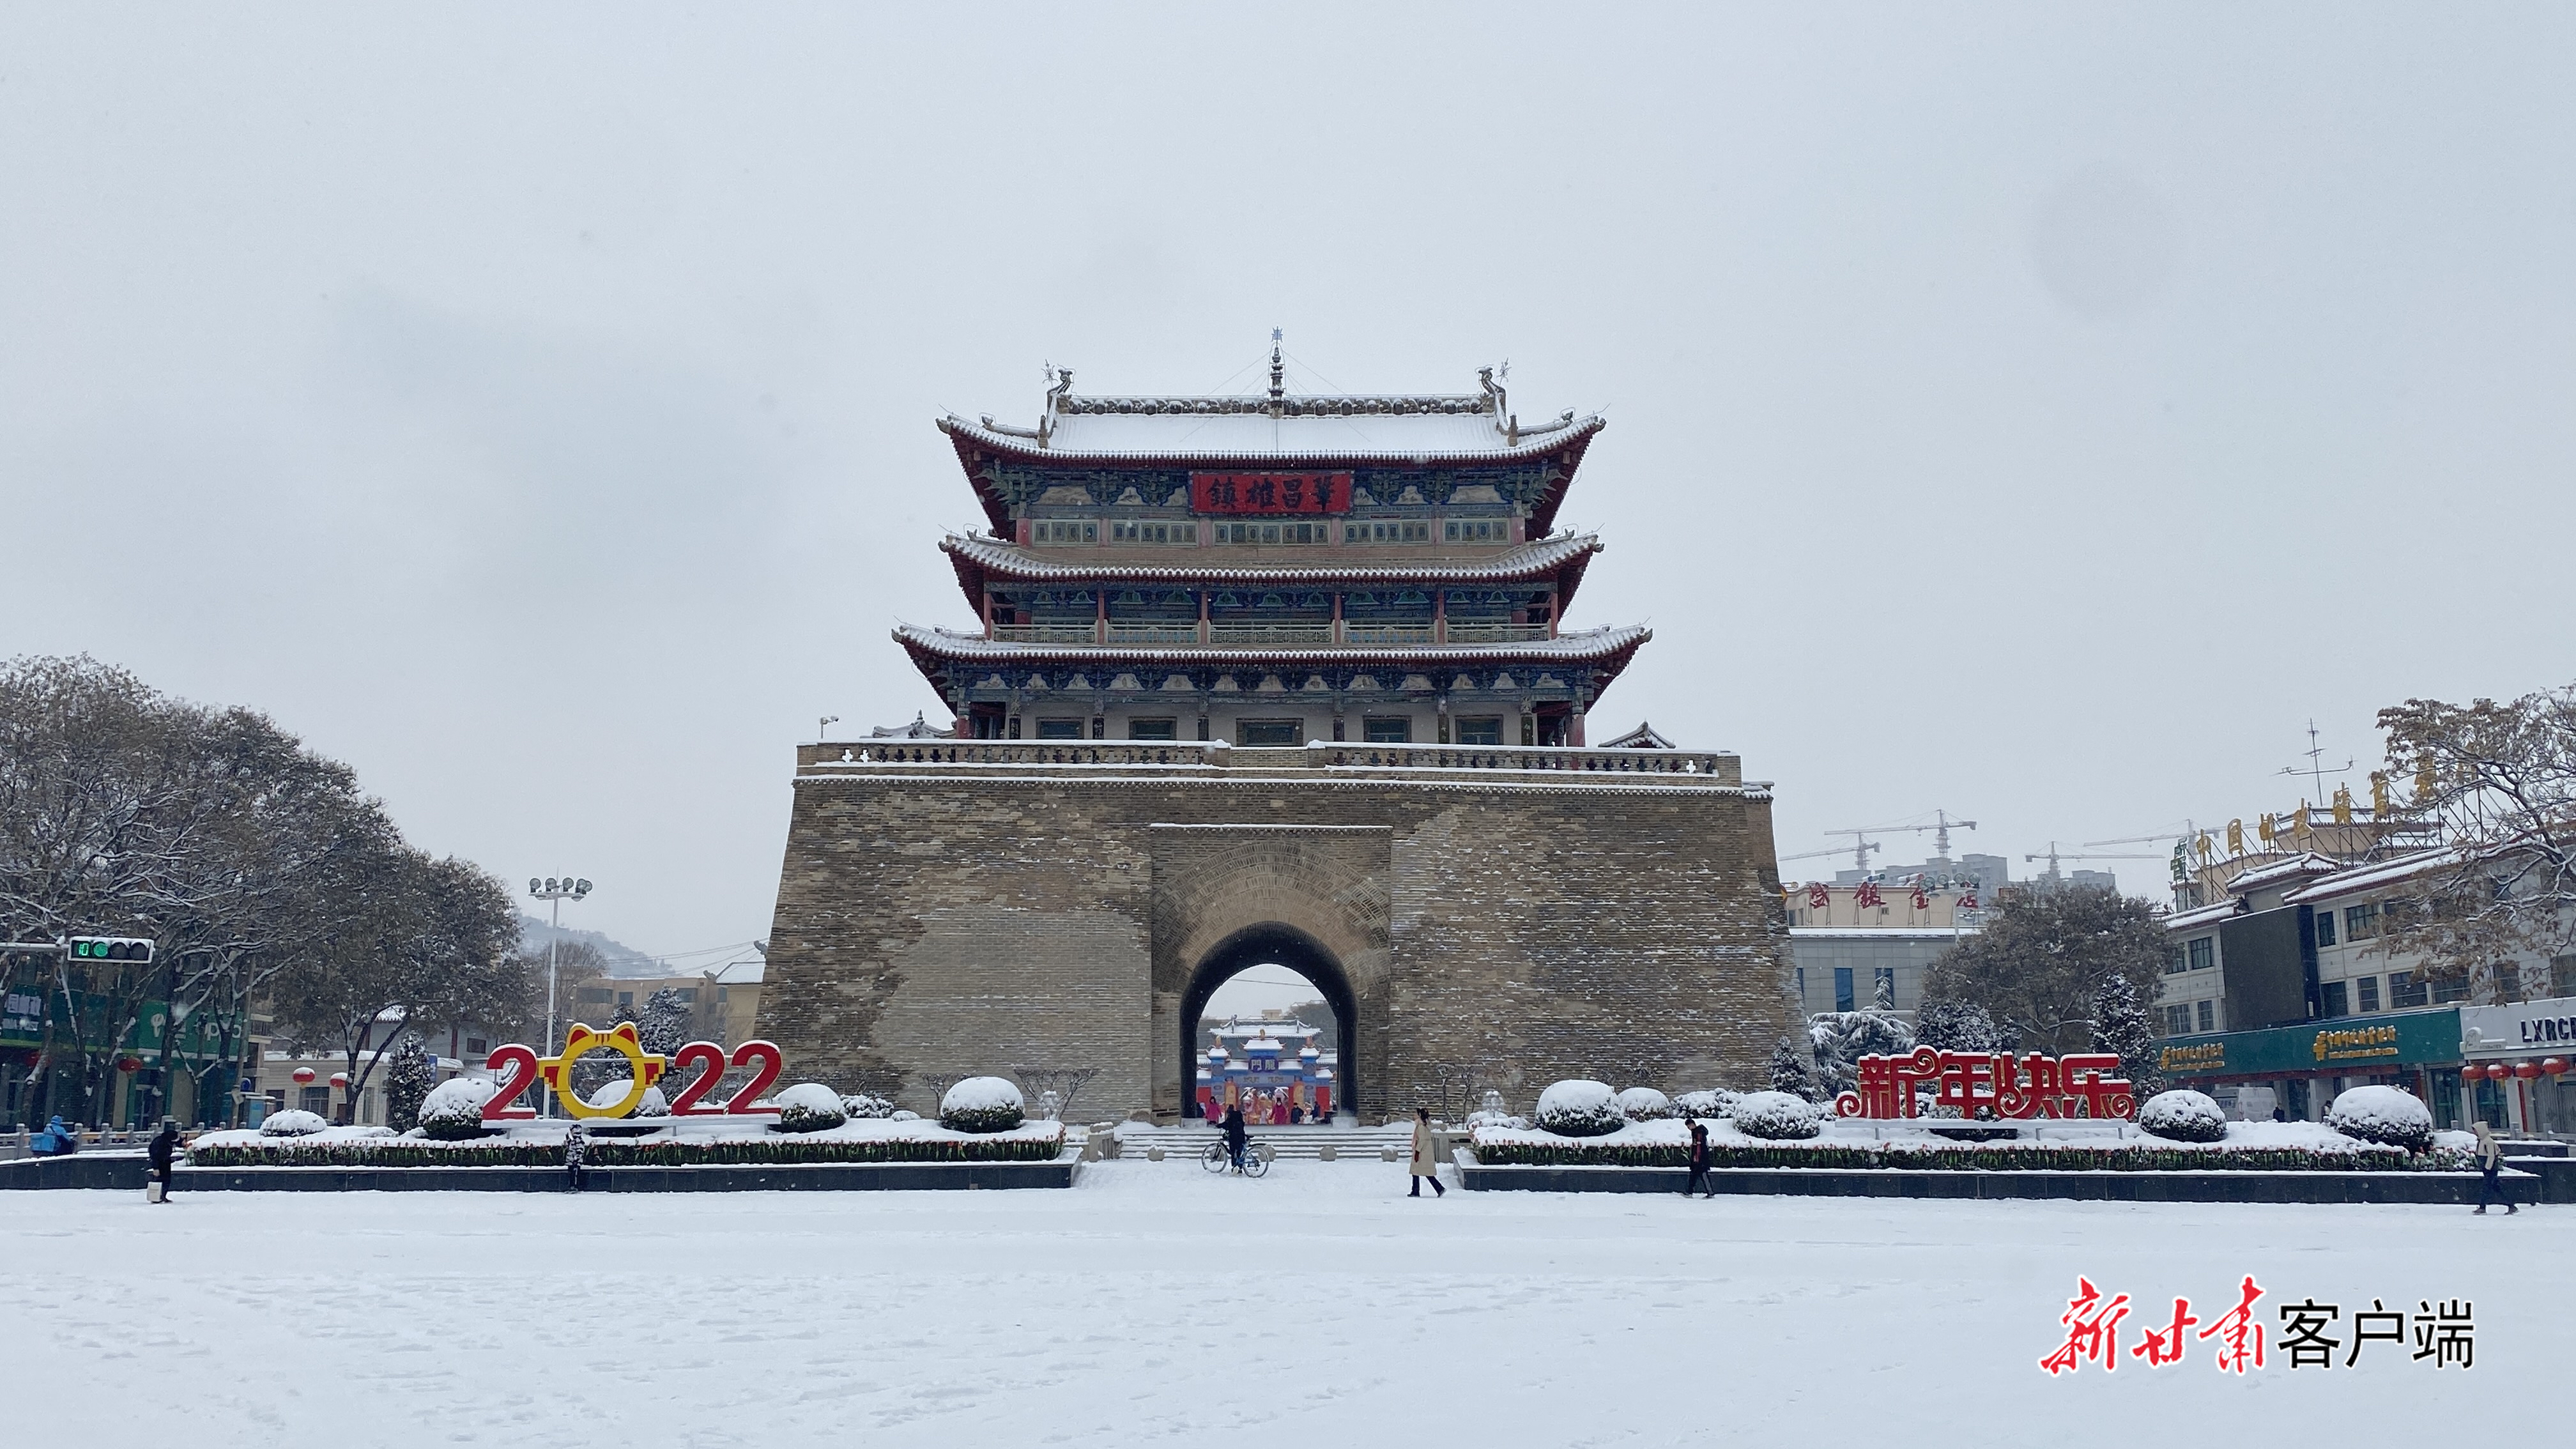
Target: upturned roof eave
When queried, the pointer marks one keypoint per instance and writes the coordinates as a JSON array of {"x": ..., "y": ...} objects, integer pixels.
[{"x": 978, "y": 561}]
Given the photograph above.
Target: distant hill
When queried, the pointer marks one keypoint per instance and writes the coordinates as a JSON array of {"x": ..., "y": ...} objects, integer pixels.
[{"x": 623, "y": 960}]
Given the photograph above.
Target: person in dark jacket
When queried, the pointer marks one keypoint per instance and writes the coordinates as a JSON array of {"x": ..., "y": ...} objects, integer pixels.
[
  {"x": 572, "y": 1155},
  {"x": 165, "y": 1156},
  {"x": 1235, "y": 1136},
  {"x": 1698, "y": 1159}
]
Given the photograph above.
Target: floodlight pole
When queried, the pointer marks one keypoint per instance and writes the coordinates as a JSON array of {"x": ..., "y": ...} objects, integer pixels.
[{"x": 556, "y": 891}]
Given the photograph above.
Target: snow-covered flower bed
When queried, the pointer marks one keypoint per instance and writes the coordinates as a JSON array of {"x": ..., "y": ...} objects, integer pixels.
[
  {"x": 676, "y": 1142},
  {"x": 2078, "y": 1147}
]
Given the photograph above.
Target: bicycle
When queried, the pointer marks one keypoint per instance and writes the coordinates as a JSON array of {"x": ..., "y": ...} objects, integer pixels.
[{"x": 1256, "y": 1160}]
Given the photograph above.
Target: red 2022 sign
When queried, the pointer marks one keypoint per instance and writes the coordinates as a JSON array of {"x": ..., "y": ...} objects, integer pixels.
[{"x": 708, "y": 1059}]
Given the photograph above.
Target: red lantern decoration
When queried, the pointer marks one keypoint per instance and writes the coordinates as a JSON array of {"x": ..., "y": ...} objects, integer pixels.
[
  {"x": 2553, "y": 1065},
  {"x": 340, "y": 1080},
  {"x": 2526, "y": 1070},
  {"x": 2498, "y": 1071},
  {"x": 303, "y": 1076},
  {"x": 129, "y": 1064}
]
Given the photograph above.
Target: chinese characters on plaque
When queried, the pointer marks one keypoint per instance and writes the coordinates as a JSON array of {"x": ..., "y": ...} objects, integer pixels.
[{"x": 1270, "y": 492}]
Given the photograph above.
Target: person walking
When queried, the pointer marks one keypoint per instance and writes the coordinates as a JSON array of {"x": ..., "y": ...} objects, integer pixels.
[
  {"x": 1235, "y": 1136},
  {"x": 573, "y": 1145},
  {"x": 1422, "y": 1166},
  {"x": 1698, "y": 1159},
  {"x": 2490, "y": 1161},
  {"x": 164, "y": 1155}
]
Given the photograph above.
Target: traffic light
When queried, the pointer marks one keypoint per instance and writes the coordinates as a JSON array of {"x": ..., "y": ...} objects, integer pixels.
[{"x": 110, "y": 948}]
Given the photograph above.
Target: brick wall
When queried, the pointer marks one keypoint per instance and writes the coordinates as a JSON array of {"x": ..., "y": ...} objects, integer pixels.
[{"x": 1494, "y": 927}]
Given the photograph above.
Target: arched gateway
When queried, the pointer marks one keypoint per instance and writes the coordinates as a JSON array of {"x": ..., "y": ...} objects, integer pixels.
[
  {"x": 1283, "y": 678},
  {"x": 1271, "y": 944}
]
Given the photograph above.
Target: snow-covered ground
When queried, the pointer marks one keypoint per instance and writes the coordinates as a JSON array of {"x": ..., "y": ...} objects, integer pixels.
[{"x": 1158, "y": 1304}]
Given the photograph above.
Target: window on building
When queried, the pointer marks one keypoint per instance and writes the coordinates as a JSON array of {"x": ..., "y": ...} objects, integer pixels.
[
  {"x": 1153, "y": 729},
  {"x": 1064, "y": 530},
  {"x": 2446, "y": 992},
  {"x": 1798, "y": 979},
  {"x": 626, "y": 998},
  {"x": 2335, "y": 1004},
  {"x": 2360, "y": 923},
  {"x": 1476, "y": 530},
  {"x": 2325, "y": 928},
  {"x": 1272, "y": 732},
  {"x": 1882, "y": 992},
  {"x": 1842, "y": 988},
  {"x": 1386, "y": 533},
  {"x": 1387, "y": 730},
  {"x": 2204, "y": 953},
  {"x": 2209, "y": 1016},
  {"x": 316, "y": 1100},
  {"x": 1139, "y": 531},
  {"x": 2404, "y": 989},
  {"x": 2175, "y": 961},
  {"x": 689, "y": 994},
  {"x": 2177, "y": 1020},
  {"x": 2368, "y": 987},
  {"x": 1059, "y": 729},
  {"x": 594, "y": 995},
  {"x": 476, "y": 1046},
  {"x": 2562, "y": 975},
  {"x": 1482, "y": 730},
  {"x": 1274, "y": 533}
]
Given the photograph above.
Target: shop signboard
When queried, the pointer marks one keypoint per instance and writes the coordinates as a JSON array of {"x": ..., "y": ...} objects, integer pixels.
[
  {"x": 2524, "y": 1027},
  {"x": 2345, "y": 1044}
]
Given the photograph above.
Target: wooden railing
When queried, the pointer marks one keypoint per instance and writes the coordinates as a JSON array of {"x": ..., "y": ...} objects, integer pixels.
[
  {"x": 1270, "y": 633},
  {"x": 1046, "y": 633}
]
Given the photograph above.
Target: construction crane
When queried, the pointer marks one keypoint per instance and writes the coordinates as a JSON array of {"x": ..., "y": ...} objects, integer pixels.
[
  {"x": 1859, "y": 850},
  {"x": 1941, "y": 827},
  {"x": 2053, "y": 855}
]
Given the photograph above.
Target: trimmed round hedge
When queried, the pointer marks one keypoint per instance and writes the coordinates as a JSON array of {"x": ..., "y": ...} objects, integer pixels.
[
  {"x": 1579, "y": 1108},
  {"x": 2183, "y": 1115},
  {"x": 1707, "y": 1105},
  {"x": 292, "y": 1123},
  {"x": 982, "y": 1104},
  {"x": 2384, "y": 1115},
  {"x": 453, "y": 1110},
  {"x": 809, "y": 1107},
  {"x": 1777, "y": 1116},
  {"x": 1644, "y": 1104}
]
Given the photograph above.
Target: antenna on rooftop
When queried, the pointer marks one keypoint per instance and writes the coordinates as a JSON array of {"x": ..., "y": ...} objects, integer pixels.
[
  {"x": 2316, "y": 764},
  {"x": 1278, "y": 369}
]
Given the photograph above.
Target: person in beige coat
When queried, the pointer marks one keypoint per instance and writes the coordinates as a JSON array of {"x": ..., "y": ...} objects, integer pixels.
[
  {"x": 1422, "y": 1166},
  {"x": 2490, "y": 1161}
]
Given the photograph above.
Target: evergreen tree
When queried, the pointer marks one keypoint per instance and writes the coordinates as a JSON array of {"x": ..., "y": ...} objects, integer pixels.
[
  {"x": 663, "y": 1025},
  {"x": 2120, "y": 1025},
  {"x": 409, "y": 1075},
  {"x": 2039, "y": 965},
  {"x": 1841, "y": 1039},
  {"x": 1955, "y": 1026},
  {"x": 1793, "y": 1071}
]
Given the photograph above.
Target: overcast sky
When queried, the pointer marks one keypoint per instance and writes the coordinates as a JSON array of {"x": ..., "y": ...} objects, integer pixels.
[{"x": 2035, "y": 412}]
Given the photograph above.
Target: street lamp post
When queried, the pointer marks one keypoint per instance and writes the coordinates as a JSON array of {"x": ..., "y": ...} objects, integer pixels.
[{"x": 556, "y": 891}]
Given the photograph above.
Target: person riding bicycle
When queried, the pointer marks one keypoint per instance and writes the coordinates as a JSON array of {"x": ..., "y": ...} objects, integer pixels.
[{"x": 1235, "y": 1136}]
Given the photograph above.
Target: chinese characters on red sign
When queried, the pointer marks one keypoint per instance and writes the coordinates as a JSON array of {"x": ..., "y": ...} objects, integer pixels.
[
  {"x": 1270, "y": 492},
  {"x": 1991, "y": 1083},
  {"x": 2443, "y": 1335}
]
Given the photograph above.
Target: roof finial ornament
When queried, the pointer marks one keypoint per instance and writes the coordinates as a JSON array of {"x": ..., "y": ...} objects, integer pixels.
[
  {"x": 1494, "y": 380},
  {"x": 1278, "y": 374},
  {"x": 1059, "y": 387}
]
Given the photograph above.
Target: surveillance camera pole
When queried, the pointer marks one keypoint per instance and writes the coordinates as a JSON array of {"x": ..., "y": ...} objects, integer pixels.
[{"x": 556, "y": 891}]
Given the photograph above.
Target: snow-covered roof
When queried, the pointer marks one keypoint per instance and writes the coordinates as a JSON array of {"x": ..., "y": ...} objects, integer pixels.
[
  {"x": 1589, "y": 646},
  {"x": 2297, "y": 867},
  {"x": 2200, "y": 917},
  {"x": 1643, "y": 737},
  {"x": 1424, "y": 429},
  {"x": 2375, "y": 876},
  {"x": 976, "y": 558}
]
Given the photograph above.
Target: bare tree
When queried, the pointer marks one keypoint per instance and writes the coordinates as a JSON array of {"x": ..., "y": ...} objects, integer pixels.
[
  {"x": 2499, "y": 781},
  {"x": 1066, "y": 1082}
]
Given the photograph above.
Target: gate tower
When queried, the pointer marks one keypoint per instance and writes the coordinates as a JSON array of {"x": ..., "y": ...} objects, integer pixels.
[{"x": 1275, "y": 678}]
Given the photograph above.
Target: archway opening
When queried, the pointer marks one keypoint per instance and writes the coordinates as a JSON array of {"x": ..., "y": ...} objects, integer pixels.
[{"x": 1272, "y": 963}]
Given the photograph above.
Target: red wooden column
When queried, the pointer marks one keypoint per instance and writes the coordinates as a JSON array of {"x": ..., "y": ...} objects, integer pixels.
[
  {"x": 1100, "y": 618},
  {"x": 1203, "y": 616},
  {"x": 1337, "y": 616},
  {"x": 988, "y": 613},
  {"x": 1439, "y": 616}
]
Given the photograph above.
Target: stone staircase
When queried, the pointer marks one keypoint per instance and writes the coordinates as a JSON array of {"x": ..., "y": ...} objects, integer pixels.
[{"x": 1349, "y": 1144}]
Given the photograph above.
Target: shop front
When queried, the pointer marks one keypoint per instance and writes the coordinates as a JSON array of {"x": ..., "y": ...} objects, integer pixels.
[
  {"x": 2517, "y": 1058},
  {"x": 2295, "y": 1072}
]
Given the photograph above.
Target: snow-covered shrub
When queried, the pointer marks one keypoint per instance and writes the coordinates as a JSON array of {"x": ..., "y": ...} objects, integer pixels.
[
  {"x": 1778, "y": 1116},
  {"x": 453, "y": 1110},
  {"x": 1579, "y": 1108},
  {"x": 651, "y": 1104},
  {"x": 2384, "y": 1115},
  {"x": 809, "y": 1107},
  {"x": 1644, "y": 1104},
  {"x": 981, "y": 1104},
  {"x": 292, "y": 1123},
  {"x": 904, "y": 1114},
  {"x": 2184, "y": 1115},
  {"x": 1708, "y": 1104},
  {"x": 862, "y": 1107}
]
